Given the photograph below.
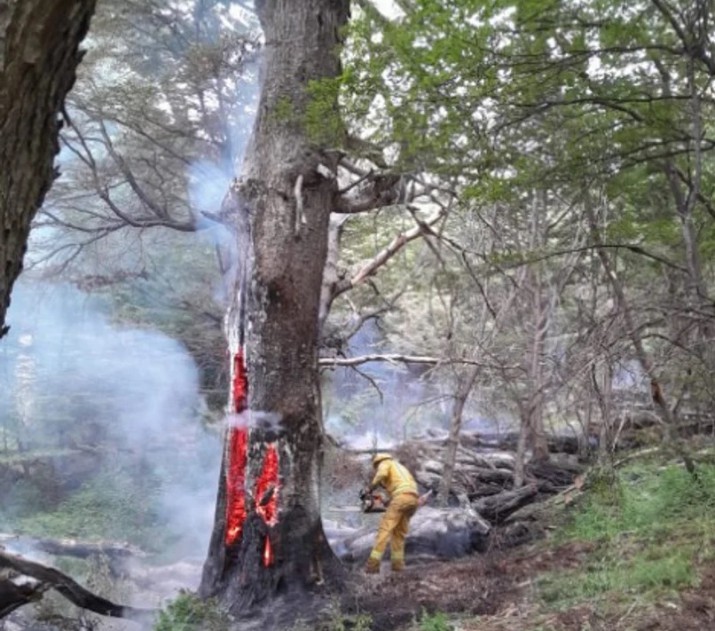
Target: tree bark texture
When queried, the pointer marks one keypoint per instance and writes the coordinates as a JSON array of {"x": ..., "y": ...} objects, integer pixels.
[
  {"x": 282, "y": 204},
  {"x": 39, "y": 54}
]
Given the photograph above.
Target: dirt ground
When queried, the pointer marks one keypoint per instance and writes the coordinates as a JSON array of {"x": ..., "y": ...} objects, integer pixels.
[{"x": 495, "y": 592}]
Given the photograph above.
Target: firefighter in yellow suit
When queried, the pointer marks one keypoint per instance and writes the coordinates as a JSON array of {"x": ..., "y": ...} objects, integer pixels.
[{"x": 404, "y": 500}]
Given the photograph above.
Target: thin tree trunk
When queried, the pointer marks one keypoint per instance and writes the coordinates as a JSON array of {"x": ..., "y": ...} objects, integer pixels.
[
  {"x": 520, "y": 458},
  {"x": 282, "y": 204},
  {"x": 455, "y": 429},
  {"x": 39, "y": 54},
  {"x": 540, "y": 325},
  {"x": 642, "y": 355}
]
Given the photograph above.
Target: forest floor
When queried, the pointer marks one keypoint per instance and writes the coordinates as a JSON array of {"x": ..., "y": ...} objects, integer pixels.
[
  {"x": 636, "y": 554},
  {"x": 501, "y": 592}
]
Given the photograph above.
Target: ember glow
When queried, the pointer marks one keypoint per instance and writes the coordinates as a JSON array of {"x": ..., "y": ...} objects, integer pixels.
[
  {"x": 237, "y": 457},
  {"x": 266, "y": 495},
  {"x": 240, "y": 383},
  {"x": 266, "y": 488},
  {"x": 235, "y": 484},
  {"x": 268, "y": 482},
  {"x": 267, "y": 553}
]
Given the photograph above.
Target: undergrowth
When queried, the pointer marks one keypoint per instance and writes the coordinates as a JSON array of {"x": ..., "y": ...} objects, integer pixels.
[
  {"x": 651, "y": 526},
  {"x": 189, "y": 613},
  {"x": 107, "y": 506}
]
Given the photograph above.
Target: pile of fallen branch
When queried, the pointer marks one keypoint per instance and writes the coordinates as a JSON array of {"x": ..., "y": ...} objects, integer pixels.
[
  {"x": 485, "y": 507},
  {"x": 484, "y": 473}
]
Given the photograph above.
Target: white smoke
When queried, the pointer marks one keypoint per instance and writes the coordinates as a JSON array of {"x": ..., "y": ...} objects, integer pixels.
[
  {"x": 124, "y": 400},
  {"x": 255, "y": 419}
]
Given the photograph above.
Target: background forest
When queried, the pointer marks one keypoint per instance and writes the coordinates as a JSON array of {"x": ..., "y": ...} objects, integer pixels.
[
  {"x": 536, "y": 255},
  {"x": 547, "y": 250}
]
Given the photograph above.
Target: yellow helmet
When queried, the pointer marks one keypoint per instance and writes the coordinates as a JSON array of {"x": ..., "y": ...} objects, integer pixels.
[{"x": 378, "y": 458}]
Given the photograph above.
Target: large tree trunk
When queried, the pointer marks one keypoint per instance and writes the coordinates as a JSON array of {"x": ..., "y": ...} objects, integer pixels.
[
  {"x": 39, "y": 53},
  {"x": 282, "y": 204}
]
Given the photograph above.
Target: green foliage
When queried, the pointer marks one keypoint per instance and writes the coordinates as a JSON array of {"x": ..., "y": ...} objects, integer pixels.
[
  {"x": 189, "y": 613},
  {"x": 21, "y": 500},
  {"x": 322, "y": 120},
  {"x": 333, "y": 618},
  {"x": 650, "y": 525},
  {"x": 437, "y": 621},
  {"x": 645, "y": 503},
  {"x": 284, "y": 111},
  {"x": 113, "y": 505},
  {"x": 672, "y": 569}
]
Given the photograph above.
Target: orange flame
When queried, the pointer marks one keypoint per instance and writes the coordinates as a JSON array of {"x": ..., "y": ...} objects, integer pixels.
[
  {"x": 266, "y": 495},
  {"x": 235, "y": 485},
  {"x": 267, "y": 553},
  {"x": 240, "y": 383},
  {"x": 266, "y": 489},
  {"x": 237, "y": 457}
]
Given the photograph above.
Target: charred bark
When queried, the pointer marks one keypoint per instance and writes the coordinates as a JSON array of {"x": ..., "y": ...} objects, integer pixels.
[
  {"x": 282, "y": 206},
  {"x": 39, "y": 54}
]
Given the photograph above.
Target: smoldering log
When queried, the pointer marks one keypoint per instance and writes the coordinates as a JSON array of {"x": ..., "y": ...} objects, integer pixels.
[{"x": 65, "y": 585}]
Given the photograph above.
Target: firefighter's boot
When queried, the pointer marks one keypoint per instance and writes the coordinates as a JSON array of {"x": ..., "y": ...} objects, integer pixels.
[
  {"x": 398, "y": 566},
  {"x": 372, "y": 566}
]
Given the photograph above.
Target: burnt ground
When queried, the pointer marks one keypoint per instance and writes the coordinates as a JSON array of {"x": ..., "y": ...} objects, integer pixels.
[{"x": 497, "y": 592}]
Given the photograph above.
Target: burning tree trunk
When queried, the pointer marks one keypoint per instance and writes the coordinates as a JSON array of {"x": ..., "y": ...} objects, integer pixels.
[
  {"x": 39, "y": 41},
  {"x": 268, "y": 538}
]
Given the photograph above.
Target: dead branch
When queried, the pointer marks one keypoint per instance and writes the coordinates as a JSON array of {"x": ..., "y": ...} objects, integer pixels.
[
  {"x": 70, "y": 589},
  {"x": 382, "y": 257},
  {"x": 403, "y": 359}
]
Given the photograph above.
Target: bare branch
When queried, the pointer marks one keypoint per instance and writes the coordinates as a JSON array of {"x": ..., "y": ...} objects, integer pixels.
[
  {"x": 402, "y": 239},
  {"x": 405, "y": 359}
]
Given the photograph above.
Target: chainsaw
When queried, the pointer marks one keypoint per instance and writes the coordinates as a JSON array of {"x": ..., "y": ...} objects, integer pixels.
[
  {"x": 376, "y": 502},
  {"x": 373, "y": 501}
]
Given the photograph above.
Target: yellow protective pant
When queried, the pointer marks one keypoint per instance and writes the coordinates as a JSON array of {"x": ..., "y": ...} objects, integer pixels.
[{"x": 393, "y": 529}]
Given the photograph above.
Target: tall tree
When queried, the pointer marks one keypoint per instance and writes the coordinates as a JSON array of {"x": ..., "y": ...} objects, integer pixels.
[
  {"x": 39, "y": 53},
  {"x": 268, "y": 538}
]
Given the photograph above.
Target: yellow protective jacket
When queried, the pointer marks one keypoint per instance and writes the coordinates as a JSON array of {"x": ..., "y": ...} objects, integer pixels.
[{"x": 394, "y": 477}]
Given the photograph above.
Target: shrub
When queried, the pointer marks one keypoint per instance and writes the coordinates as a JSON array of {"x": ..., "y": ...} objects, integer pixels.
[
  {"x": 188, "y": 613},
  {"x": 435, "y": 622}
]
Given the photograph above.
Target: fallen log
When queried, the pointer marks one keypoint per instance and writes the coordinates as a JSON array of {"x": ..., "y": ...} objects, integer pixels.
[
  {"x": 72, "y": 547},
  {"x": 496, "y": 508},
  {"x": 65, "y": 585},
  {"x": 559, "y": 474},
  {"x": 435, "y": 533}
]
